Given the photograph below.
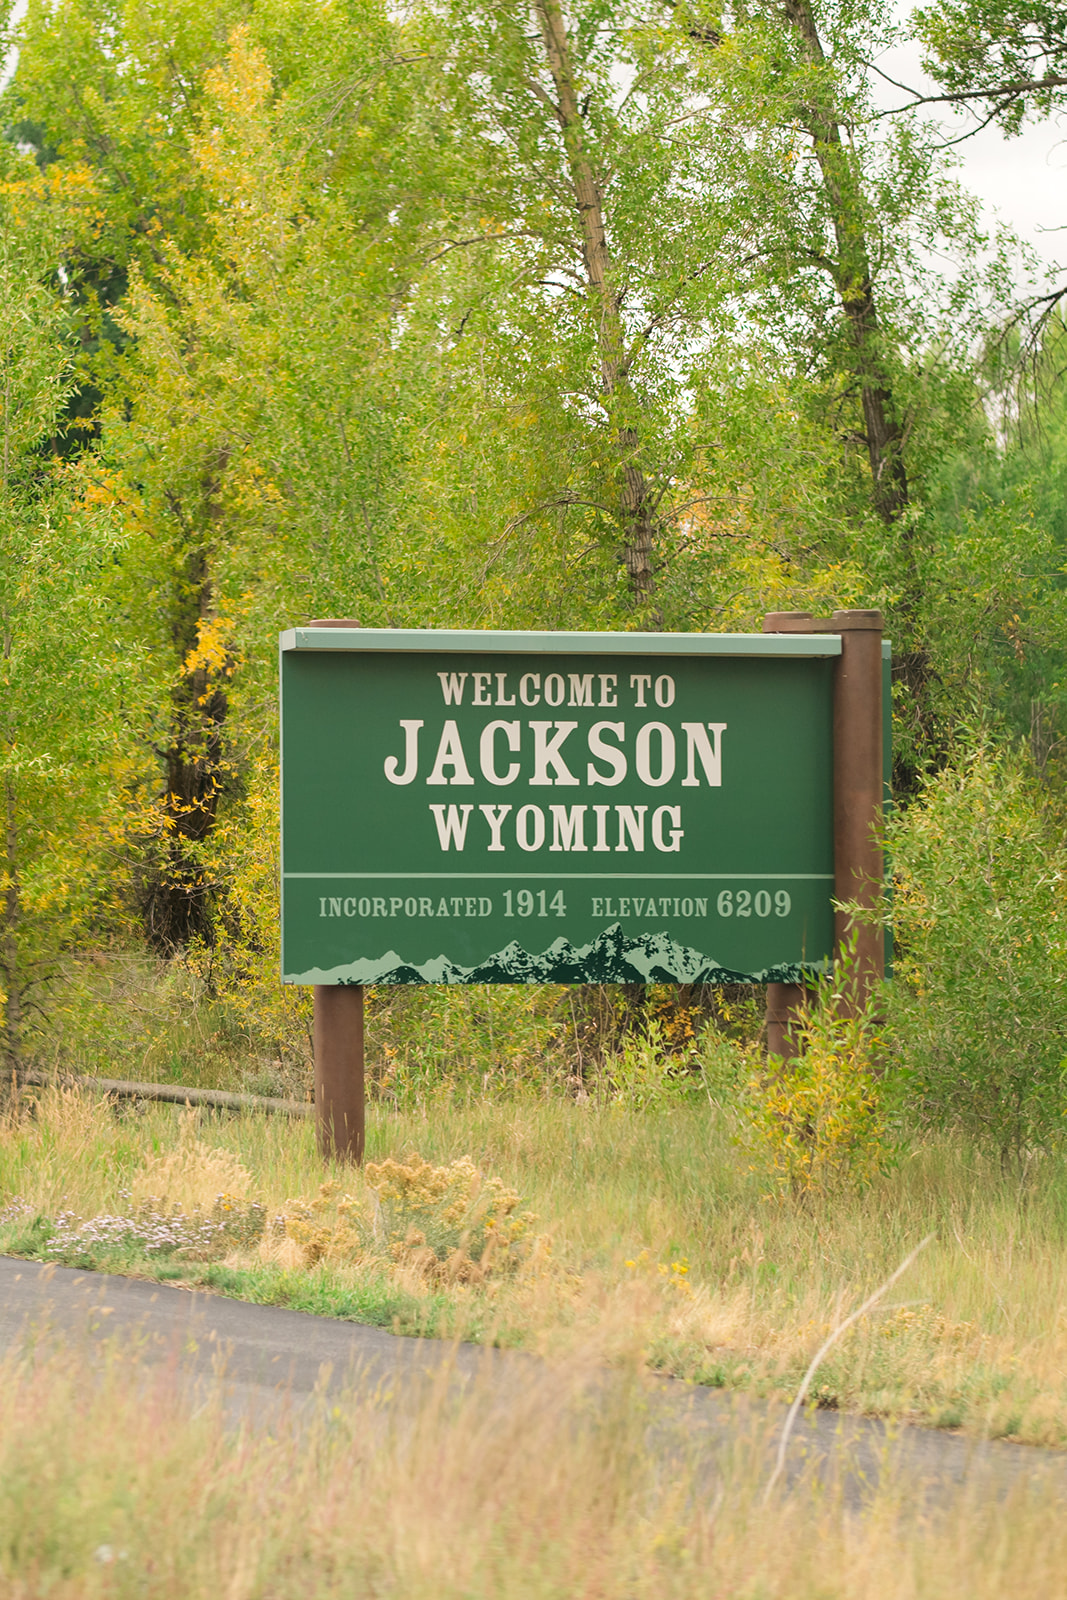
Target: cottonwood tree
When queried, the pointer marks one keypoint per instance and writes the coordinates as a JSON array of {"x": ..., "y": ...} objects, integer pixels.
[
  {"x": 1005, "y": 58},
  {"x": 524, "y": 315},
  {"x": 114, "y": 96},
  {"x": 1005, "y": 62},
  {"x": 577, "y": 282},
  {"x": 845, "y": 208},
  {"x": 233, "y": 405},
  {"x": 664, "y": 216},
  {"x": 254, "y": 418},
  {"x": 64, "y": 669}
]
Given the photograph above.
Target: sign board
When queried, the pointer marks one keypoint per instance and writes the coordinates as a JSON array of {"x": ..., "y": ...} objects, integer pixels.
[{"x": 478, "y": 807}]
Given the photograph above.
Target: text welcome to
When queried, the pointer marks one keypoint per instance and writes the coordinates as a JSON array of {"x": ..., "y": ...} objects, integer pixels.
[{"x": 548, "y": 752}]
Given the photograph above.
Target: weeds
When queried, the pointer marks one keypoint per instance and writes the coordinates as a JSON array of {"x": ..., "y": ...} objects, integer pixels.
[
  {"x": 723, "y": 1285},
  {"x": 451, "y": 1224},
  {"x": 980, "y": 914},
  {"x": 817, "y": 1120},
  {"x": 153, "y": 1232},
  {"x": 112, "y": 1484}
]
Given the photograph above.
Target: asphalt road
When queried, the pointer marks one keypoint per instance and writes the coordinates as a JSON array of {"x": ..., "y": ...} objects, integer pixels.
[{"x": 269, "y": 1362}]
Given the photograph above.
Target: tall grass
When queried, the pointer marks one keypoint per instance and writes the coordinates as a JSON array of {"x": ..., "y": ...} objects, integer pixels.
[
  {"x": 111, "y": 1485},
  {"x": 659, "y": 1244},
  {"x": 124, "y": 1014}
]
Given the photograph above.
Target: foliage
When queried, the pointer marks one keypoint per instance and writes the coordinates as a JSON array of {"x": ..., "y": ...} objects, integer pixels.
[
  {"x": 645, "y": 1071},
  {"x": 1008, "y": 55},
  {"x": 154, "y": 1232},
  {"x": 817, "y": 1120},
  {"x": 464, "y": 315},
  {"x": 188, "y": 1203},
  {"x": 997, "y": 551},
  {"x": 450, "y": 1224},
  {"x": 665, "y": 1248},
  {"x": 996, "y": 611},
  {"x": 65, "y": 670},
  {"x": 695, "y": 1041},
  {"x": 470, "y": 1041},
  {"x": 981, "y": 956}
]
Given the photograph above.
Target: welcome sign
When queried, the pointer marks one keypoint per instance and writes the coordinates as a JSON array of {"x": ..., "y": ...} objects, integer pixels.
[{"x": 478, "y": 807}]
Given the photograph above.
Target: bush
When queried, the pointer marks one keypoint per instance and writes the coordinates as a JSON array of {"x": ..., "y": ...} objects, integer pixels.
[
  {"x": 154, "y": 1231},
  {"x": 817, "y": 1120},
  {"x": 980, "y": 1001},
  {"x": 450, "y": 1224}
]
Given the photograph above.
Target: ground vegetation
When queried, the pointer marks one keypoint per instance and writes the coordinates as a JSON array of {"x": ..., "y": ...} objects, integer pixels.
[{"x": 548, "y": 316}]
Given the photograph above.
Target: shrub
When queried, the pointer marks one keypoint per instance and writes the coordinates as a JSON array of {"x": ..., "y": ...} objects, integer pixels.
[
  {"x": 649, "y": 1070},
  {"x": 450, "y": 1223},
  {"x": 817, "y": 1120},
  {"x": 189, "y": 1203},
  {"x": 155, "y": 1231},
  {"x": 981, "y": 954}
]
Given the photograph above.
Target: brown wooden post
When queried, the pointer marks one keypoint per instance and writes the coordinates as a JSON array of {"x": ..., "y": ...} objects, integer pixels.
[
  {"x": 785, "y": 1001},
  {"x": 858, "y": 780},
  {"x": 339, "y": 1092},
  {"x": 858, "y": 788},
  {"x": 337, "y": 1044}
]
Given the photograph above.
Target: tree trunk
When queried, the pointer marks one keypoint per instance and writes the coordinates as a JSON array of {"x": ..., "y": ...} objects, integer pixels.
[
  {"x": 177, "y": 897},
  {"x": 851, "y": 272},
  {"x": 636, "y": 508},
  {"x": 885, "y": 438}
]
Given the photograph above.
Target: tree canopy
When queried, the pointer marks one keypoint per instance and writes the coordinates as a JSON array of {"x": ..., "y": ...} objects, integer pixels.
[{"x": 533, "y": 314}]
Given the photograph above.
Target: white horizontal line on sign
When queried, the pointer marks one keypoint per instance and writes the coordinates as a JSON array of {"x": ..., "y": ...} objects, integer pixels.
[
  {"x": 363, "y": 640},
  {"x": 597, "y": 877}
]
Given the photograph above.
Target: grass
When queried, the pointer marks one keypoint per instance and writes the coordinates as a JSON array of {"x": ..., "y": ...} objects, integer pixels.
[
  {"x": 658, "y": 1245},
  {"x": 124, "y": 1014},
  {"x": 112, "y": 1485}
]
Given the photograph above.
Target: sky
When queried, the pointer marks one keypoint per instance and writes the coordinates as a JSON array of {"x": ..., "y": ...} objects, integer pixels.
[{"x": 1023, "y": 180}]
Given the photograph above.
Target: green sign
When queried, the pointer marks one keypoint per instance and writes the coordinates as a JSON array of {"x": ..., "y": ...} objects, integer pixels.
[{"x": 555, "y": 808}]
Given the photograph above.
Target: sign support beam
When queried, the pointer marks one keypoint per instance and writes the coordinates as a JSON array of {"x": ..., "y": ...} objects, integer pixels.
[
  {"x": 339, "y": 1089},
  {"x": 337, "y": 1046},
  {"x": 858, "y": 790}
]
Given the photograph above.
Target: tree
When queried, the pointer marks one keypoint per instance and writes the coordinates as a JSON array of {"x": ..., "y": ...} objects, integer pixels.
[
  {"x": 1009, "y": 56},
  {"x": 586, "y": 318},
  {"x": 254, "y": 367},
  {"x": 1005, "y": 62},
  {"x": 839, "y": 207},
  {"x": 617, "y": 353},
  {"x": 184, "y": 175},
  {"x": 63, "y": 669},
  {"x": 577, "y": 271},
  {"x": 513, "y": 315}
]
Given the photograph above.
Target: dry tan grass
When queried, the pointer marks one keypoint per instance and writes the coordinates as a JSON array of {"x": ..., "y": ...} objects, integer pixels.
[
  {"x": 110, "y": 1485},
  {"x": 657, "y": 1244},
  {"x": 192, "y": 1175}
]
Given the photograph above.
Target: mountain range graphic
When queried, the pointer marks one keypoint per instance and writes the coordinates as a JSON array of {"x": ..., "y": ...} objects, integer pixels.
[{"x": 612, "y": 957}]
